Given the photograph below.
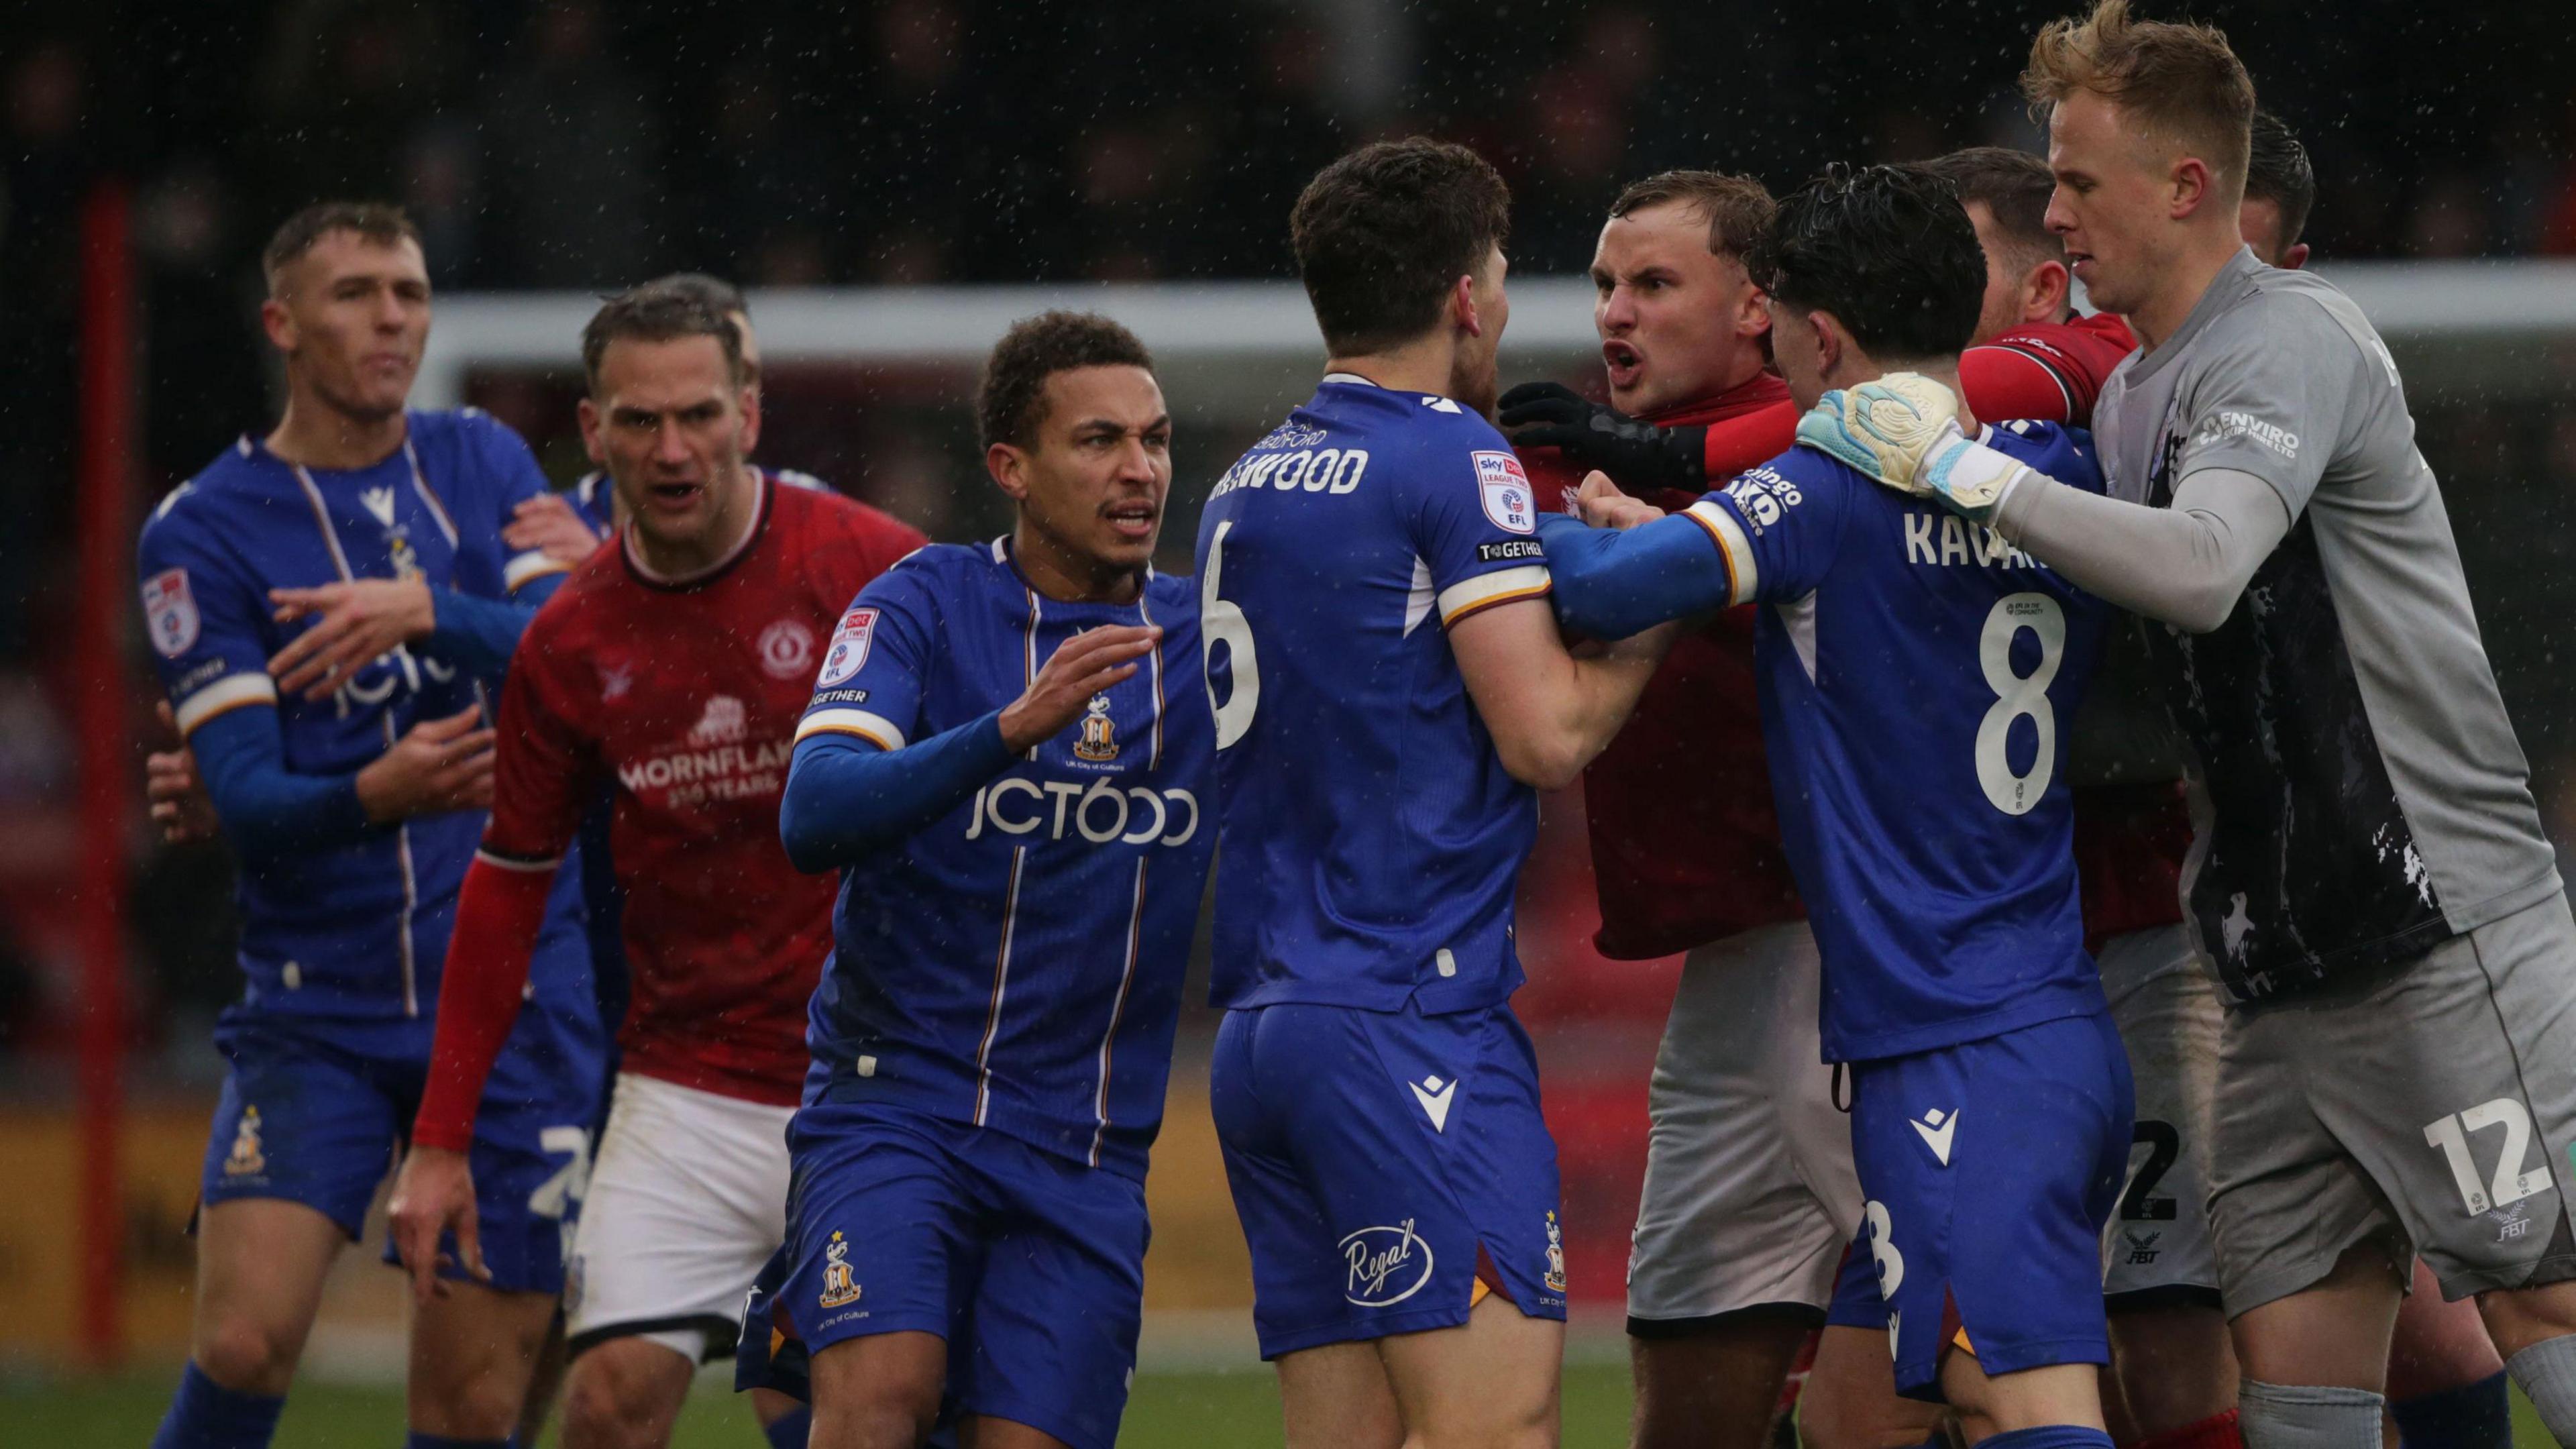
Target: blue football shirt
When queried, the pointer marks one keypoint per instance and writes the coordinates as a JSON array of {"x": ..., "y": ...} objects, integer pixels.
[
  {"x": 1371, "y": 837},
  {"x": 1917, "y": 675},
  {"x": 355, "y": 930},
  {"x": 1017, "y": 963}
]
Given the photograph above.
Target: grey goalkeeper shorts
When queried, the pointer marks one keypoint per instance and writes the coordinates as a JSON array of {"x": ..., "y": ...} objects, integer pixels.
[{"x": 2432, "y": 1109}]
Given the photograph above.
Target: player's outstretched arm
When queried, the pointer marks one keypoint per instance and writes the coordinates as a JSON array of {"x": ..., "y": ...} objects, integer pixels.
[
  {"x": 2185, "y": 565},
  {"x": 1613, "y": 583},
  {"x": 1549, "y": 712},
  {"x": 851, "y": 792},
  {"x": 1641, "y": 456}
]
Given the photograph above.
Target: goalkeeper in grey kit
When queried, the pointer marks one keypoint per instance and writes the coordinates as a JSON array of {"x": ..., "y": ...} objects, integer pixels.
[{"x": 2397, "y": 1070}]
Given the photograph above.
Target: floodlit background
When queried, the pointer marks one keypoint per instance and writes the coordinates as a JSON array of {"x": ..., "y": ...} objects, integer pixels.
[{"x": 896, "y": 181}]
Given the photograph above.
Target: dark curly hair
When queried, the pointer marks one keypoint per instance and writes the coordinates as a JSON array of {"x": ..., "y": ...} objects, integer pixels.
[
  {"x": 1010, "y": 402},
  {"x": 1382, "y": 235},
  {"x": 1888, "y": 250}
]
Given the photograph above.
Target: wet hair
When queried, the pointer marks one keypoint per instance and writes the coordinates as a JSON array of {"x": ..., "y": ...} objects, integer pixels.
[
  {"x": 656, "y": 313},
  {"x": 2278, "y": 171},
  {"x": 1382, "y": 234},
  {"x": 1010, "y": 402},
  {"x": 714, "y": 293},
  {"x": 1739, "y": 209},
  {"x": 1887, "y": 250},
  {"x": 2178, "y": 80},
  {"x": 377, "y": 221},
  {"x": 2015, "y": 187}
]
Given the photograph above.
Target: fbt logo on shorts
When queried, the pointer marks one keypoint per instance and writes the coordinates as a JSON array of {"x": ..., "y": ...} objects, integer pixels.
[{"x": 1387, "y": 1265}]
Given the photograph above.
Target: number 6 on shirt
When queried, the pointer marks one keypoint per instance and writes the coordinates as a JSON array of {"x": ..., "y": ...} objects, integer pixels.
[{"x": 1222, "y": 622}]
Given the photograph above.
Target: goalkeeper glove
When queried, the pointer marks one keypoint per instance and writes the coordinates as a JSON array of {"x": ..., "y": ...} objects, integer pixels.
[
  {"x": 1882, "y": 428},
  {"x": 1903, "y": 430},
  {"x": 1637, "y": 455}
]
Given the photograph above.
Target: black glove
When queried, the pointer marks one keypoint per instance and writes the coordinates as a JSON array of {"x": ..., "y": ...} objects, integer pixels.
[{"x": 1638, "y": 456}]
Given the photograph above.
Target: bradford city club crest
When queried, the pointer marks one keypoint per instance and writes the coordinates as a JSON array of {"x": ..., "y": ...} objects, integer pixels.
[
  {"x": 246, "y": 1160},
  {"x": 1099, "y": 733},
  {"x": 839, "y": 1288},
  {"x": 1555, "y": 1256}
]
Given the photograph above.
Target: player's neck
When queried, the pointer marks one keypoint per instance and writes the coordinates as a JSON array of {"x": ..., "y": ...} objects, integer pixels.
[
  {"x": 1425, "y": 365},
  {"x": 317, "y": 435},
  {"x": 2182, "y": 287},
  {"x": 1068, "y": 577}
]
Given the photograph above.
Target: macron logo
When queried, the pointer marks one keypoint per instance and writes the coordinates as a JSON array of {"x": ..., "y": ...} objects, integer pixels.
[
  {"x": 1434, "y": 1095},
  {"x": 1935, "y": 1129}
]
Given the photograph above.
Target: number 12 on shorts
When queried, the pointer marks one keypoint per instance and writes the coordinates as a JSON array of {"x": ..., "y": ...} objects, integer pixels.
[{"x": 2511, "y": 1184}]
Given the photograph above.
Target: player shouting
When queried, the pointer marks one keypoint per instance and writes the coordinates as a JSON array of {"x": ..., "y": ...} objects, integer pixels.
[
  {"x": 671, "y": 668},
  {"x": 1389, "y": 687},
  {"x": 328, "y": 605},
  {"x": 1749, "y": 1195},
  {"x": 1990, "y": 1096},
  {"x": 2371, "y": 878},
  {"x": 1007, "y": 756}
]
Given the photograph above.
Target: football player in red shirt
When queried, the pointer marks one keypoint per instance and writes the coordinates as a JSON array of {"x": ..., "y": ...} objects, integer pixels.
[
  {"x": 1750, "y": 1194},
  {"x": 676, "y": 668}
]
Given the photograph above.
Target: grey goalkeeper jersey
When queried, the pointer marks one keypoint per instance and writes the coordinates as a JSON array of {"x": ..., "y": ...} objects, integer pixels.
[{"x": 2360, "y": 796}]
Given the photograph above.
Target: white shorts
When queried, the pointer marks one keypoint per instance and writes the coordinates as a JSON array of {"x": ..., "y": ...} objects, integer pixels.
[
  {"x": 1750, "y": 1196},
  {"x": 687, "y": 1200},
  {"x": 2167, "y": 1007}
]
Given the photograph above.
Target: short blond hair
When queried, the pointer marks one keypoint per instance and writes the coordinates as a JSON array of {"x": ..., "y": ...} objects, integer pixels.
[{"x": 2182, "y": 81}]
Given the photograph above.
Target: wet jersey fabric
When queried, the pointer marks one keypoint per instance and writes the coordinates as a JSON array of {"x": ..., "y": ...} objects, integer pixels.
[
  {"x": 1915, "y": 674},
  {"x": 357, "y": 928},
  {"x": 2367, "y": 798},
  {"x": 1372, "y": 837},
  {"x": 1685, "y": 840},
  {"x": 681, "y": 698},
  {"x": 1017, "y": 964}
]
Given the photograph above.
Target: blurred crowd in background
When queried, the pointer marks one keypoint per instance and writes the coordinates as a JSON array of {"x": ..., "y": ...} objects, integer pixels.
[{"x": 581, "y": 145}]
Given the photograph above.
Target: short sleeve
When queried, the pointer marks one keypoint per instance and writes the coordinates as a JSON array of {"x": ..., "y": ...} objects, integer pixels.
[
  {"x": 2273, "y": 397},
  {"x": 1778, "y": 526},
  {"x": 1474, "y": 526},
  {"x": 541, "y": 777},
  {"x": 207, "y": 618},
  {"x": 870, "y": 685},
  {"x": 510, "y": 476}
]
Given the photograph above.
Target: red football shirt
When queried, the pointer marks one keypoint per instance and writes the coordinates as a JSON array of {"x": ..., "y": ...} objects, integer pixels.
[
  {"x": 685, "y": 695},
  {"x": 1685, "y": 842}
]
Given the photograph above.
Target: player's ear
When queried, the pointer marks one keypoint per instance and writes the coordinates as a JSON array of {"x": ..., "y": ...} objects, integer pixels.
[
  {"x": 1829, "y": 341},
  {"x": 2189, "y": 185},
  {"x": 1010, "y": 469},
  {"x": 2043, "y": 292},
  {"x": 750, "y": 401},
  {"x": 1753, "y": 313},
  {"x": 591, "y": 441},
  {"x": 278, "y": 323},
  {"x": 2295, "y": 258},
  {"x": 1462, "y": 307}
]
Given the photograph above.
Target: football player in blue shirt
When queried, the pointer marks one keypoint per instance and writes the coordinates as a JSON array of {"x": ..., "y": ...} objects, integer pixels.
[
  {"x": 1990, "y": 1093},
  {"x": 329, "y": 607},
  {"x": 1390, "y": 693},
  {"x": 1007, "y": 757}
]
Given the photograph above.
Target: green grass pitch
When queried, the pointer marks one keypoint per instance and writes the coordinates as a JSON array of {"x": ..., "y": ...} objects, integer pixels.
[{"x": 1167, "y": 1411}]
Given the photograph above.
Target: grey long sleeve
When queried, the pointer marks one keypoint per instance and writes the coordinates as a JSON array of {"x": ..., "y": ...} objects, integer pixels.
[{"x": 2185, "y": 565}]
